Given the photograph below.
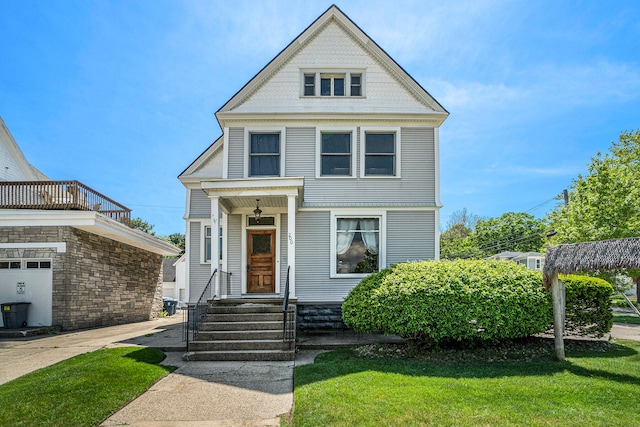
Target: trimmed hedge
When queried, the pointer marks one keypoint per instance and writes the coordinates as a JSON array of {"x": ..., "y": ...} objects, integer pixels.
[
  {"x": 435, "y": 302},
  {"x": 588, "y": 305}
]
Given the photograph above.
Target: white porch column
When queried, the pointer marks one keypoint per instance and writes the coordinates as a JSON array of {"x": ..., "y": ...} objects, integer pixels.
[
  {"x": 291, "y": 244},
  {"x": 215, "y": 242}
]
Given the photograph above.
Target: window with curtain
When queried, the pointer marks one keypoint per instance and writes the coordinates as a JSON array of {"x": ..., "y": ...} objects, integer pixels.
[
  {"x": 264, "y": 154},
  {"x": 380, "y": 154},
  {"x": 336, "y": 154},
  {"x": 357, "y": 245}
]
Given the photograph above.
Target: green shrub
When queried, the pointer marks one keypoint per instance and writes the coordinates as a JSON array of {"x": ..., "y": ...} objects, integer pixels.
[
  {"x": 450, "y": 301},
  {"x": 588, "y": 306}
]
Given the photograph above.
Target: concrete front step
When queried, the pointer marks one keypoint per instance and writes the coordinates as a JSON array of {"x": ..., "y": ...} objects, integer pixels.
[
  {"x": 245, "y": 308},
  {"x": 241, "y": 326},
  {"x": 261, "y": 355},
  {"x": 237, "y": 345},
  {"x": 247, "y": 317},
  {"x": 276, "y": 334}
]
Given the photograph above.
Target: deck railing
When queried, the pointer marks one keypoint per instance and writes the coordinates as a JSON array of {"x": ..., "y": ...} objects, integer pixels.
[{"x": 60, "y": 195}]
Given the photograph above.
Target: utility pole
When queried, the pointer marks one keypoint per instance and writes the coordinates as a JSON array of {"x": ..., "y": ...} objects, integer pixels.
[{"x": 565, "y": 193}]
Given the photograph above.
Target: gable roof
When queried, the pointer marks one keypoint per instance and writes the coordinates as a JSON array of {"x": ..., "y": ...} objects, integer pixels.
[
  {"x": 202, "y": 158},
  {"x": 333, "y": 14},
  {"x": 30, "y": 172}
]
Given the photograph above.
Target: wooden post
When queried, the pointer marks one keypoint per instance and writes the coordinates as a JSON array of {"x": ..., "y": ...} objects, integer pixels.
[{"x": 558, "y": 295}]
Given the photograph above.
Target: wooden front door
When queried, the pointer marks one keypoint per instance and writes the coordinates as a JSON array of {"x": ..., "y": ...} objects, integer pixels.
[{"x": 261, "y": 261}]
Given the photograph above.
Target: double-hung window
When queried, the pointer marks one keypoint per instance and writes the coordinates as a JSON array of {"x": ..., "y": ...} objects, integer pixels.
[
  {"x": 309, "y": 84},
  {"x": 264, "y": 154},
  {"x": 335, "y": 154},
  {"x": 357, "y": 245},
  {"x": 380, "y": 154},
  {"x": 356, "y": 84}
]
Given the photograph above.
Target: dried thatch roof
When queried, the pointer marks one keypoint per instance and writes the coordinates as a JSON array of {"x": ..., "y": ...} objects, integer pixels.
[{"x": 592, "y": 256}]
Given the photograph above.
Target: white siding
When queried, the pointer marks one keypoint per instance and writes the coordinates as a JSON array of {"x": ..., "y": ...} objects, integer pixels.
[
  {"x": 332, "y": 48},
  {"x": 198, "y": 273},
  {"x": 410, "y": 236},
  {"x": 200, "y": 204},
  {"x": 236, "y": 153}
]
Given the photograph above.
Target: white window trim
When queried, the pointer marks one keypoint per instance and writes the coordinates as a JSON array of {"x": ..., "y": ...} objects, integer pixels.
[
  {"x": 244, "y": 245},
  {"x": 398, "y": 157},
  {"x": 334, "y": 71},
  {"x": 354, "y": 152},
  {"x": 247, "y": 145},
  {"x": 203, "y": 228},
  {"x": 358, "y": 213}
]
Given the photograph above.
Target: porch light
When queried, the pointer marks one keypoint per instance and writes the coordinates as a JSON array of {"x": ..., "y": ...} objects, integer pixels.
[{"x": 257, "y": 211}]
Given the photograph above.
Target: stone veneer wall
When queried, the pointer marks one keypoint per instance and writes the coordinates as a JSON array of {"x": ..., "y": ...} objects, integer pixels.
[
  {"x": 319, "y": 317},
  {"x": 98, "y": 281}
]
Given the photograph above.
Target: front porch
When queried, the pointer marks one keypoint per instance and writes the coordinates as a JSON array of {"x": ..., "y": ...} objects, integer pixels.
[{"x": 255, "y": 221}]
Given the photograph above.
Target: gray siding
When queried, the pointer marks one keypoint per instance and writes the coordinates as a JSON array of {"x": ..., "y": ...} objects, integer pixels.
[
  {"x": 200, "y": 204},
  {"x": 234, "y": 252},
  {"x": 416, "y": 187},
  {"x": 313, "y": 283},
  {"x": 410, "y": 236},
  {"x": 301, "y": 152},
  {"x": 236, "y": 153},
  {"x": 198, "y": 273}
]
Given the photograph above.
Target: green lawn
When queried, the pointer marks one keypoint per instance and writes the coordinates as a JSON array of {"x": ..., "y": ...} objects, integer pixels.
[
  {"x": 626, "y": 318},
  {"x": 81, "y": 391},
  {"x": 596, "y": 387}
]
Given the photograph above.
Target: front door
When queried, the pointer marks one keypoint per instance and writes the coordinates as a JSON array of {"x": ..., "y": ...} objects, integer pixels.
[{"x": 261, "y": 261}]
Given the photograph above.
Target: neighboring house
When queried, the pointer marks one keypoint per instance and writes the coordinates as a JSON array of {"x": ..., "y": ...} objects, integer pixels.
[
  {"x": 173, "y": 279},
  {"x": 66, "y": 250},
  {"x": 531, "y": 260},
  {"x": 327, "y": 167}
]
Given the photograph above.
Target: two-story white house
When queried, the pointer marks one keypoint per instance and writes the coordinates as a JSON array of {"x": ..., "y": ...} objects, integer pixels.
[{"x": 327, "y": 168}]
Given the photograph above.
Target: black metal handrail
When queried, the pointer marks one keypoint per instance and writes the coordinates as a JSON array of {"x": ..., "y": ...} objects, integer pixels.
[
  {"x": 197, "y": 313},
  {"x": 289, "y": 319}
]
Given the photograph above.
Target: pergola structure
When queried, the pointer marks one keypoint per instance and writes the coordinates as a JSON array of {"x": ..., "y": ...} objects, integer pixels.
[{"x": 605, "y": 255}]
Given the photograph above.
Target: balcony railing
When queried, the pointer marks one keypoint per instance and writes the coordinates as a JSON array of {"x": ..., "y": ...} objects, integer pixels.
[{"x": 60, "y": 195}]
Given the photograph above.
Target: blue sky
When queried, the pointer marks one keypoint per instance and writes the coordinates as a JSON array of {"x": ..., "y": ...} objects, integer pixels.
[{"x": 121, "y": 95}]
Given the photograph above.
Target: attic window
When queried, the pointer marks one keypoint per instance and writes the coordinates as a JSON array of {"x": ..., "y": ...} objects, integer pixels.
[{"x": 332, "y": 84}]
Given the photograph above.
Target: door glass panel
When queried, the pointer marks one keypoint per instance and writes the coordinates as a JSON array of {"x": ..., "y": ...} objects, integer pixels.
[{"x": 261, "y": 243}]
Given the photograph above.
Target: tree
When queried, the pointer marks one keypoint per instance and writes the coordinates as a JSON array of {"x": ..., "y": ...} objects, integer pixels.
[
  {"x": 513, "y": 231},
  {"x": 142, "y": 225},
  {"x": 455, "y": 241},
  {"x": 604, "y": 204},
  {"x": 462, "y": 217},
  {"x": 177, "y": 239}
]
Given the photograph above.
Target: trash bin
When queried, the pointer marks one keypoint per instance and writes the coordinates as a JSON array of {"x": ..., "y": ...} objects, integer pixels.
[
  {"x": 14, "y": 314},
  {"x": 169, "y": 305}
]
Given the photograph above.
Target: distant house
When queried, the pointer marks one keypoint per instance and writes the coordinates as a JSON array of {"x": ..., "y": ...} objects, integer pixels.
[
  {"x": 67, "y": 250},
  {"x": 531, "y": 260},
  {"x": 173, "y": 279},
  {"x": 326, "y": 171}
]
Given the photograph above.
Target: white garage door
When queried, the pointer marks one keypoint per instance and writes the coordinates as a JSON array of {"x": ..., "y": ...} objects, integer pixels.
[{"x": 28, "y": 280}]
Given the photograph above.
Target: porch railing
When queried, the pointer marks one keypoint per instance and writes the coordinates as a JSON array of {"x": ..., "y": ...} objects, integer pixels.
[
  {"x": 289, "y": 316},
  {"x": 198, "y": 312},
  {"x": 60, "y": 195}
]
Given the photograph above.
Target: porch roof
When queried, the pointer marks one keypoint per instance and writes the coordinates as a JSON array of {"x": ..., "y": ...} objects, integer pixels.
[{"x": 242, "y": 193}]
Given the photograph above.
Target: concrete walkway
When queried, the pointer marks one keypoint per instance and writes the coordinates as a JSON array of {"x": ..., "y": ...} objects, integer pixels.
[{"x": 217, "y": 394}]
